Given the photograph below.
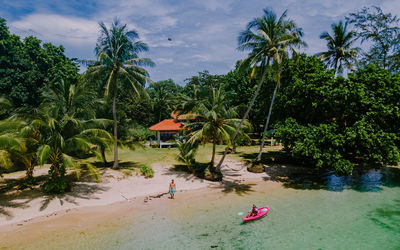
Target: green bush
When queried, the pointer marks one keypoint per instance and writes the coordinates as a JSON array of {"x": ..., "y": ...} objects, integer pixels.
[
  {"x": 140, "y": 133},
  {"x": 56, "y": 185},
  {"x": 147, "y": 171},
  {"x": 335, "y": 122},
  {"x": 187, "y": 154}
]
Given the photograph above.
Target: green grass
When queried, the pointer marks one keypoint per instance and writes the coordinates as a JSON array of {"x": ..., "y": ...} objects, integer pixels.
[
  {"x": 167, "y": 156},
  {"x": 132, "y": 160}
]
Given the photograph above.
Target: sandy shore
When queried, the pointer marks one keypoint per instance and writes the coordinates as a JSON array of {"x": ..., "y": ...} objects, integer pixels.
[{"x": 23, "y": 207}]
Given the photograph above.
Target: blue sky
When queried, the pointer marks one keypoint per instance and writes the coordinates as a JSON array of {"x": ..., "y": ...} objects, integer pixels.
[{"x": 204, "y": 32}]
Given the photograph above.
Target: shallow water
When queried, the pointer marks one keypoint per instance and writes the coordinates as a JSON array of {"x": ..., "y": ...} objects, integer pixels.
[{"x": 321, "y": 212}]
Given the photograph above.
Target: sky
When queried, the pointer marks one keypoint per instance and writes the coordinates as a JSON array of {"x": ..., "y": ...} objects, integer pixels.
[{"x": 203, "y": 32}]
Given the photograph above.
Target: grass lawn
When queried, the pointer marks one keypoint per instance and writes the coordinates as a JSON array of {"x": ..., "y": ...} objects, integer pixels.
[{"x": 130, "y": 159}]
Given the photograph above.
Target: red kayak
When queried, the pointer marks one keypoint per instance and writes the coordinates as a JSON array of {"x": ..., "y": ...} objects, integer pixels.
[{"x": 261, "y": 212}]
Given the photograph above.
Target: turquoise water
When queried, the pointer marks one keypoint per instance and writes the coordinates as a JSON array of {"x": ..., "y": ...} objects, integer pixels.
[
  {"x": 359, "y": 212},
  {"x": 309, "y": 212}
]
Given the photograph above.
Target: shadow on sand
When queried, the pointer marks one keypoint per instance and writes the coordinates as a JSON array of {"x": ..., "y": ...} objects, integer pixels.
[
  {"x": 15, "y": 193},
  {"x": 183, "y": 171}
]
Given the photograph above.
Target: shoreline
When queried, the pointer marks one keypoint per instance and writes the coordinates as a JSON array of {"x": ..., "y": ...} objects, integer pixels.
[
  {"x": 24, "y": 207},
  {"x": 90, "y": 221}
]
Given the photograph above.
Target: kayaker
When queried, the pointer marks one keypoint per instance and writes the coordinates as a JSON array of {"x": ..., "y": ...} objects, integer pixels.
[
  {"x": 253, "y": 211},
  {"x": 172, "y": 188}
]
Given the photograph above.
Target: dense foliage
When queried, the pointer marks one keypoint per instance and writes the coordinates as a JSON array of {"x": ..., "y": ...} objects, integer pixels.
[
  {"x": 27, "y": 66},
  {"x": 336, "y": 122}
]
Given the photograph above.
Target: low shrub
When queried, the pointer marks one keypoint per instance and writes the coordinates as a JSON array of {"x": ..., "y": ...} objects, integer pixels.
[{"x": 147, "y": 171}]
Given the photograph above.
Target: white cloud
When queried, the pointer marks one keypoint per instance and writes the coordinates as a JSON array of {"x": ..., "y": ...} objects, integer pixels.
[
  {"x": 58, "y": 29},
  {"x": 216, "y": 4},
  {"x": 201, "y": 58},
  {"x": 203, "y": 32},
  {"x": 392, "y": 6},
  {"x": 164, "y": 60}
]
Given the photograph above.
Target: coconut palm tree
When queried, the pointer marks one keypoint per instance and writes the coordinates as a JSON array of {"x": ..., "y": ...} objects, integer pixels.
[
  {"x": 11, "y": 145},
  {"x": 214, "y": 122},
  {"x": 340, "y": 51},
  {"x": 60, "y": 131},
  {"x": 17, "y": 146},
  {"x": 118, "y": 61},
  {"x": 267, "y": 38},
  {"x": 187, "y": 154}
]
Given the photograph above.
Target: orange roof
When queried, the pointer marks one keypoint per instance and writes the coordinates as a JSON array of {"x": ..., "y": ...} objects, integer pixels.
[
  {"x": 188, "y": 116},
  {"x": 167, "y": 125}
]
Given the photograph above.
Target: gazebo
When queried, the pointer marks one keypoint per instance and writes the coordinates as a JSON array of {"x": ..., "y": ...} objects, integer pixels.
[{"x": 166, "y": 129}]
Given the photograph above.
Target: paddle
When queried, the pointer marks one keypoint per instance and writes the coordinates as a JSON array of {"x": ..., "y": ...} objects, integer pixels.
[
  {"x": 242, "y": 213},
  {"x": 124, "y": 197}
]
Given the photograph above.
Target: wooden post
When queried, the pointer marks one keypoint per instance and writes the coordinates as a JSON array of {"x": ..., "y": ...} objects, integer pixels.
[{"x": 158, "y": 138}]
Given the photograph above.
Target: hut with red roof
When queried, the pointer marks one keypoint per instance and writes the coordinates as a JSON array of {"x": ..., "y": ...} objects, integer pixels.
[{"x": 169, "y": 128}]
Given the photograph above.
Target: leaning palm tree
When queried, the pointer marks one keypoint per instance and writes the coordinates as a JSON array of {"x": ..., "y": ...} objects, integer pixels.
[
  {"x": 214, "y": 122},
  {"x": 267, "y": 38},
  {"x": 118, "y": 61},
  {"x": 340, "y": 51}
]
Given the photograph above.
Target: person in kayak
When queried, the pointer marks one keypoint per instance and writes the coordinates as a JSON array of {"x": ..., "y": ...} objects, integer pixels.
[{"x": 253, "y": 211}]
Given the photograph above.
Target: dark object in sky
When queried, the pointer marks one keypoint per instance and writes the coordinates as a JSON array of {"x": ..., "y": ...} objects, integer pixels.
[{"x": 169, "y": 39}]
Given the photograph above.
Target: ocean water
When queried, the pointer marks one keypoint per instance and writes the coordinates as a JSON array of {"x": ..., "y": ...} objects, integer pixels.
[
  {"x": 311, "y": 212},
  {"x": 324, "y": 212}
]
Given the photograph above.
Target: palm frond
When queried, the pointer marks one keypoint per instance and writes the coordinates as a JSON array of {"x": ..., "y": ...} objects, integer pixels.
[{"x": 43, "y": 154}]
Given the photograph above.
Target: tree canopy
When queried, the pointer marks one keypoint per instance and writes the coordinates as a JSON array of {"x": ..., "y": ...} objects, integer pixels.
[{"x": 337, "y": 122}]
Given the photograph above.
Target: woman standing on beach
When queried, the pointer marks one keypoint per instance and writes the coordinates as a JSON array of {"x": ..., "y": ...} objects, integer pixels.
[{"x": 172, "y": 189}]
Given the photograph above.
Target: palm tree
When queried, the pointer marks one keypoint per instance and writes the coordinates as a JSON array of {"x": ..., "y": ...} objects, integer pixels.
[
  {"x": 162, "y": 94},
  {"x": 118, "y": 59},
  {"x": 11, "y": 145},
  {"x": 267, "y": 38},
  {"x": 55, "y": 133},
  {"x": 187, "y": 154},
  {"x": 62, "y": 135},
  {"x": 214, "y": 122},
  {"x": 17, "y": 145},
  {"x": 340, "y": 52}
]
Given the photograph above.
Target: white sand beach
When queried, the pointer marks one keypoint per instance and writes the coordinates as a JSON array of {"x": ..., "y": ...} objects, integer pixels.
[{"x": 20, "y": 207}]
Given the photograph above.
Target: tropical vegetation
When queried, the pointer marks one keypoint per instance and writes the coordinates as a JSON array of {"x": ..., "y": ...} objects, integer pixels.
[
  {"x": 340, "y": 52},
  {"x": 118, "y": 61},
  {"x": 336, "y": 110}
]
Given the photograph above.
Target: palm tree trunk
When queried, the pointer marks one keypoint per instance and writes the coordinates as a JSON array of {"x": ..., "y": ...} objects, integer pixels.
[
  {"x": 114, "y": 109},
  {"x": 29, "y": 172},
  {"x": 213, "y": 153},
  {"x": 244, "y": 116},
  {"x": 30, "y": 167},
  {"x": 266, "y": 124}
]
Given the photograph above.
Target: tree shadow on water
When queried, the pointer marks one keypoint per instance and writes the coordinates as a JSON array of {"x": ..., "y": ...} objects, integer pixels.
[
  {"x": 283, "y": 168},
  {"x": 238, "y": 188},
  {"x": 387, "y": 217}
]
